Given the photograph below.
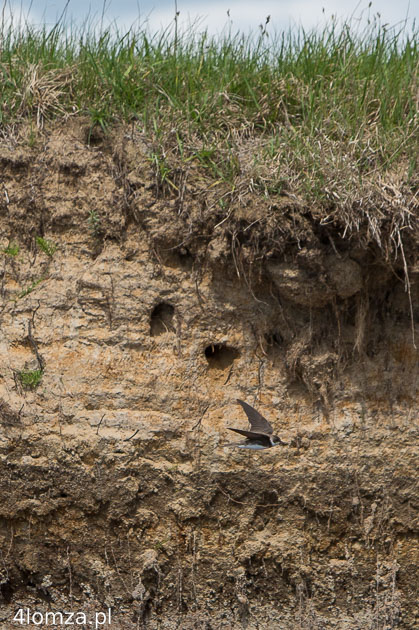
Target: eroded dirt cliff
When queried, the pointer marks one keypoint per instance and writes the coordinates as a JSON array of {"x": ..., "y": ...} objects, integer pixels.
[{"x": 133, "y": 315}]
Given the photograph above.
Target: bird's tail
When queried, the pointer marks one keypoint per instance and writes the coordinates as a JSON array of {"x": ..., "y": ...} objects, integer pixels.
[{"x": 232, "y": 444}]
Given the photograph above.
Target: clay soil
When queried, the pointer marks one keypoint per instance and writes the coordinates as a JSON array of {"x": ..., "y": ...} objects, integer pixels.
[{"x": 145, "y": 311}]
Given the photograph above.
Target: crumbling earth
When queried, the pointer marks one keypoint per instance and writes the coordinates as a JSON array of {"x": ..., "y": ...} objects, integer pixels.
[{"x": 145, "y": 316}]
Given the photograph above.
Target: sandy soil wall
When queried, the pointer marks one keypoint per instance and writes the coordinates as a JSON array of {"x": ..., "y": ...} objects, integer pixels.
[{"x": 144, "y": 319}]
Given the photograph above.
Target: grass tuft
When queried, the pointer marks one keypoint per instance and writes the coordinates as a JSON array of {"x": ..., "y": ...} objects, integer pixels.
[
  {"x": 30, "y": 378},
  {"x": 31, "y": 287},
  {"x": 48, "y": 247},
  {"x": 94, "y": 223},
  {"x": 11, "y": 250}
]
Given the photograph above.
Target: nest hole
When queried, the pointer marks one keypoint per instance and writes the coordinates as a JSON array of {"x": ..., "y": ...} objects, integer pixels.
[
  {"x": 161, "y": 320},
  {"x": 181, "y": 259},
  {"x": 220, "y": 356}
]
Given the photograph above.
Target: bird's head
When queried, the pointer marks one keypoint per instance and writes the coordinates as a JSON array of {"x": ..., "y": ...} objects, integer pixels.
[{"x": 277, "y": 440}]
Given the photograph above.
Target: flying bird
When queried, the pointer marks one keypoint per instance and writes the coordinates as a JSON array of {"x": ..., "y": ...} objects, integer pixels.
[{"x": 260, "y": 435}]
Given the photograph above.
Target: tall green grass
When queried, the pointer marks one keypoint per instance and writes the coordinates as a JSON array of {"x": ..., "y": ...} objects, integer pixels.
[{"x": 340, "y": 99}]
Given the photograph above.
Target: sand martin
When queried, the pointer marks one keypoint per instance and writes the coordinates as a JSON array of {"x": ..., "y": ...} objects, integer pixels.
[{"x": 261, "y": 434}]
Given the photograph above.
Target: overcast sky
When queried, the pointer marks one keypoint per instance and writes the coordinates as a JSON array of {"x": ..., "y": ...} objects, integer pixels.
[{"x": 244, "y": 14}]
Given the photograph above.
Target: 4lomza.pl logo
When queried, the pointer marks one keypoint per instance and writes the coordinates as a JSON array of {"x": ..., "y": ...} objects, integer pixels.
[{"x": 26, "y": 617}]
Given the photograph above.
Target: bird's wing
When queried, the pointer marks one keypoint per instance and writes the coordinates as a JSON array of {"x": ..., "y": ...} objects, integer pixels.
[
  {"x": 257, "y": 421},
  {"x": 252, "y": 434}
]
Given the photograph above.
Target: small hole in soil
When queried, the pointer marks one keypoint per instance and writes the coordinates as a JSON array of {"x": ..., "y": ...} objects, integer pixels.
[
  {"x": 162, "y": 319},
  {"x": 273, "y": 339},
  {"x": 181, "y": 259},
  {"x": 95, "y": 135},
  {"x": 220, "y": 356},
  {"x": 185, "y": 259}
]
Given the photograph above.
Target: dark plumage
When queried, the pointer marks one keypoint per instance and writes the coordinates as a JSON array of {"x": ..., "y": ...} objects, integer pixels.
[{"x": 261, "y": 434}]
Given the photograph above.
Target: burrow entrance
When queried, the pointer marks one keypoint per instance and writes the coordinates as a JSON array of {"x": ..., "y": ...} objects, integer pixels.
[
  {"x": 161, "y": 320},
  {"x": 220, "y": 356}
]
